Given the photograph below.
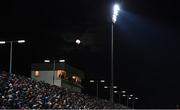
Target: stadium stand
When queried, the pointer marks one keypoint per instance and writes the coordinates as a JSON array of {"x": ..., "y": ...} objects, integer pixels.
[{"x": 19, "y": 92}]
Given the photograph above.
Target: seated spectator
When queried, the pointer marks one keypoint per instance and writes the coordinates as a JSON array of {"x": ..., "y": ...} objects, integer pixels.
[{"x": 20, "y": 92}]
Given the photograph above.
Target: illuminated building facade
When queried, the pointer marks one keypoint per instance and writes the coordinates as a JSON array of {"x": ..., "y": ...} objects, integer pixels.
[{"x": 62, "y": 75}]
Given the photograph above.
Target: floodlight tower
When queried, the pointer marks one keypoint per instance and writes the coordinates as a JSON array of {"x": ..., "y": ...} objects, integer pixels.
[
  {"x": 11, "y": 52},
  {"x": 116, "y": 10}
]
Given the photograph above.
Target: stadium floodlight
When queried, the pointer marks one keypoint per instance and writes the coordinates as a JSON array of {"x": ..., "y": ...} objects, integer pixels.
[
  {"x": 116, "y": 9},
  {"x": 115, "y": 91},
  {"x": 91, "y": 81},
  {"x": 11, "y": 51},
  {"x": 131, "y": 95},
  {"x": 136, "y": 98},
  {"x": 124, "y": 95},
  {"x": 105, "y": 87},
  {"x": 61, "y": 61},
  {"x": 2, "y": 42},
  {"x": 115, "y": 87},
  {"x": 123, "y": 91},
  {"x": 46, "y": 61},
  {"x": 21, "y": 41},
  {"x": 97, "y": 82},
  {"x": 78, "y": 41},
  {"x": 133, "y": 102},
  {"x": 102, "y": 81}
]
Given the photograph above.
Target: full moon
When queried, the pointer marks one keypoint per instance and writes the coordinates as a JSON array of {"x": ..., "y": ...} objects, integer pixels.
[{"x": 78, "y": 41}]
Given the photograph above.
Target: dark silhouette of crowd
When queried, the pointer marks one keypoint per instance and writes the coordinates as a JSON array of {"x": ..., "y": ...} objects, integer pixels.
[{"x": 19, "y": 92}]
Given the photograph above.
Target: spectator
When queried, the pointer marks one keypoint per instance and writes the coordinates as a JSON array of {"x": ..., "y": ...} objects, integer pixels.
[{"x": 19, "y": 92}]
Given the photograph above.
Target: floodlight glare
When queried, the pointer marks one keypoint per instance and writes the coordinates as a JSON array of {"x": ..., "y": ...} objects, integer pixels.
[
  {"x": 105, "y": 87},
  {"x": 116, "y": 9},
  {"x": 2, "y": 42},
  {"x": 91, "y": 81},
  {"x": 136, "y": 98},
  {"x": 115, "y": 87},
  {"x": 114, "y": 18},
  {"x": 21, "y": 41},
  {"x": 102, "y": 81},
  {"x": 61, "y": 61},
  {"x": 115, "y": 91},
  {"x": 123, "y": 91},
  {"x": 46, "y": 61}
]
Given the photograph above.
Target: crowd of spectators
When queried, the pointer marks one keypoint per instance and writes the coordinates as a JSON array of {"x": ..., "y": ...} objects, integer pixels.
[{"x": 19, "y": 92}]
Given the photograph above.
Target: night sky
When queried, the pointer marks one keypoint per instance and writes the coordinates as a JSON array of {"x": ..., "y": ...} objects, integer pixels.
[{"x": 146, "y": 43}]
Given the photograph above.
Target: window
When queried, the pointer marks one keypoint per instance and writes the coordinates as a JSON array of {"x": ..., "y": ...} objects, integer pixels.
[
  {"x": 36, "y": 73},
  {"x": 76, "y": 78},
  {"x": 61, "y": 73}
]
